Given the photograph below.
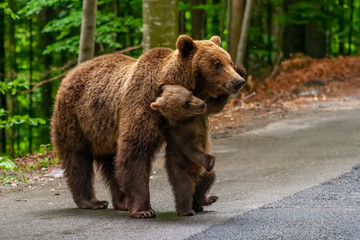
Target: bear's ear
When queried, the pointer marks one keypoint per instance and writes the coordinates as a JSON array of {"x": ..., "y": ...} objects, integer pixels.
[
  {"x": 216, "y": 40},
  {"x": 157, "y": 104},
  {"x": 185, "y": 45}
]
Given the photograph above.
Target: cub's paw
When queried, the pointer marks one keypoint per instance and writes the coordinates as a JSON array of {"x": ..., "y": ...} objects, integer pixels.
[
  {"x": 210, "y": 200},
  {"x": 211, "y": 163},
  {"x": 199, "y": 207},
  {"x": 93, "y": 204},
  {"x": 189, "y": 212},
  {"x": 143, "y": 213}
]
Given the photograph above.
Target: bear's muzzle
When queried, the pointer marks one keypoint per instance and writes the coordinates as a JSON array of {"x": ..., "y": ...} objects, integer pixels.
[{"x": 234, "y": 85}]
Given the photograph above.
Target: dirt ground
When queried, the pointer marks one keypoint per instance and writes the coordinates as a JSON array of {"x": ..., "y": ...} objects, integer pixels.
[
  {"x": 298, "y": 86},
  {"x": 293, "y": 87}
]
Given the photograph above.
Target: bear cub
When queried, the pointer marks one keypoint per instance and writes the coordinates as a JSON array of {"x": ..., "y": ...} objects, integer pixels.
[
  {"x": 188, "y": 163},
  {"x": 186, "y": 128}
]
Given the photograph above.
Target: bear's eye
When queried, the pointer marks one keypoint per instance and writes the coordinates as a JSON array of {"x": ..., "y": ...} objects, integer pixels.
[
  {"x": 186, "y": 104},
  {"x": 218, "y": 64}
]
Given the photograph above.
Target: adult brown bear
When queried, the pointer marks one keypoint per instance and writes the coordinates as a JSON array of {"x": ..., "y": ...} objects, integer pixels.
[{"x": 102, "y": 113}]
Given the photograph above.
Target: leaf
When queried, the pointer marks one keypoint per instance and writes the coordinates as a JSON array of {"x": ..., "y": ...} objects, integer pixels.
[
  {"x": 8, "y": 11},
  {"x": 70, "y": 45},
  {"x": 7, "y": 164},
  {"x": 64, "y": 24},
  {"x": 33, "y": 7}
]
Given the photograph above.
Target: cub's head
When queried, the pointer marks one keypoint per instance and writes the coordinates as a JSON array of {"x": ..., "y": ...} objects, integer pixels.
[
  {"x": 176, "y": 103},
  {"x": 211, "y": 65}
]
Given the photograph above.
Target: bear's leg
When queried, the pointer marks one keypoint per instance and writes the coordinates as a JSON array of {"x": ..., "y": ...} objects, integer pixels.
[
  {"x": 184, "y": 188},
  {"x": 106, "y": 165},
  {"x": 183, "y": 185},
  {"x": 202, "y": 187},
  {"x": 80, "y": 178},
  {"x": 132, "y": 171}
]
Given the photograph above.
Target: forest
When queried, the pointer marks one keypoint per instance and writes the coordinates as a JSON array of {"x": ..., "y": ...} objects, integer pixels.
[{"x": 39, "y": 44}]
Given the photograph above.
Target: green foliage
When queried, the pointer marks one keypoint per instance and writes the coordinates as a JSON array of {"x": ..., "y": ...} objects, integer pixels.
[
  {"x": 35, "y": 6},
  {"x": 65, "y": 24},
  {"x": 69, "y": 45},
  {"x": 42, "y": 163},
  {"x": 8, "y": 11},
  {"x": 7, "y": 166},
  {"x": 13, "y": 87},
  {"x": 17, "y": 120},
  {"x": 302, "y": 12}
]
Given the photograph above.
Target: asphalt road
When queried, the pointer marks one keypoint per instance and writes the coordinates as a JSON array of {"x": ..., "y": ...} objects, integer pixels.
[{"x": 292, "y": 179}]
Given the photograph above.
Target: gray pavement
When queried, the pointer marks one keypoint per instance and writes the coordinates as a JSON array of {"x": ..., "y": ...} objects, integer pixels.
[
  {"x": 328, "y": 211},
  {"x": 255, "y": 171}
]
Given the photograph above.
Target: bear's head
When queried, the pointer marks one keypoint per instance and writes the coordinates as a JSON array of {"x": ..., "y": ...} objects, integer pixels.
[
  {"x": 211, "y": 66},
  {"x": 177, "y": 103}
]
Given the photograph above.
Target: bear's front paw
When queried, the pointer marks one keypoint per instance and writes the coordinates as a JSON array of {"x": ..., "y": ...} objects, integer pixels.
[
  {"x": 210, "y": 164},
  {"x": 143, "y": 213}
]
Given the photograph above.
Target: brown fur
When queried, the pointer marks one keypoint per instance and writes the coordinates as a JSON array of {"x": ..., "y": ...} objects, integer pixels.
[
  {"x": 187, "y": 125},
  {"x": 102, "y": 114},
  {"x": 187, "y": 146}
]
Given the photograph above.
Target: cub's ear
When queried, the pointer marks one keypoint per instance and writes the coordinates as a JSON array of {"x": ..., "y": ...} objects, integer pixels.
[
  {"x": 216, "y": 40},
  {"x": 157, "y": 104},
  {"x": 185, "y": 45}
]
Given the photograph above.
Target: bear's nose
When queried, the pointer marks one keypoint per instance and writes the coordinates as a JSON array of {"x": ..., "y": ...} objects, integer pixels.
[{"x": 239, "y": 83}]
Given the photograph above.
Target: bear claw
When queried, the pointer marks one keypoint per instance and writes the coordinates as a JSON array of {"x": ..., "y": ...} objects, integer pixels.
[
  {"x": 211, "y": 163},
  {"x": 143, "y": 214}
]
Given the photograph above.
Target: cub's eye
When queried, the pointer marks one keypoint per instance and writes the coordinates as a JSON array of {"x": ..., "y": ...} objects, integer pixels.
[
  {"x": 218, "y": 64},
  {"x": 186, "y": 104}
]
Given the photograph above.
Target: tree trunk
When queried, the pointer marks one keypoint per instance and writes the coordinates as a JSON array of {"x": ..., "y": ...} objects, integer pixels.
[
  {"x": 315, "y": 40},
  {"x": 116, "y": 15},
  {"x": 278, "y": 32},
  {"x": 197, "y": 20},
  {"x": 160, "y": 23},
  {"x": 182, "y": 28},
  {"x": 241, "y": 49},
  {"x": 2, "y": 78},
  {"x": 294, "y": 35},
  {"x": 351, "y": 25},
  {"x": 222, "y": 18},
  {"x": 215, "y": 22},
  {"x": 341, "y": 28},
  {"x": 269, "y": 44},
  {"x": 11, "y": 74},
  {"x": 87, "y": 35},
  {"x": 47, "y": 38},
  {"x": 30, "y": 82}
]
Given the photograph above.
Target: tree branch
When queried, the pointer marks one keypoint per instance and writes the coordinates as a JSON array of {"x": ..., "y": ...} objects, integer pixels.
[
  {"x": 43, "y": 82},
  {"x": 68, "y": 65}
]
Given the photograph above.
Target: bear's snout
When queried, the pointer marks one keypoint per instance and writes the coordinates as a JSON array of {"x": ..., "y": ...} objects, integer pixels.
[{"x": 235, "y": 84}]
